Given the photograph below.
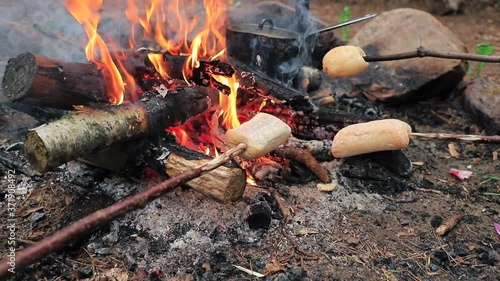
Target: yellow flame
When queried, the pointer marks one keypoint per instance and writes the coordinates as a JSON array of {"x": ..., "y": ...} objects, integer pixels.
[{"x": 86, "y": 12}]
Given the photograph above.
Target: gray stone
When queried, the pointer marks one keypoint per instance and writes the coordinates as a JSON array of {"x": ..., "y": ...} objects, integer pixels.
[
  {"x": 399, "y": 31},
  {"x": 482, "y": 101}
]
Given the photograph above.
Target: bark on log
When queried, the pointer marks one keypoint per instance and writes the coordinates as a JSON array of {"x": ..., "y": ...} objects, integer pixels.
[
  {"x": 66, "y": 139},
  {"x": 224, "y": 184},
  {"x": 35, "y": 79}
]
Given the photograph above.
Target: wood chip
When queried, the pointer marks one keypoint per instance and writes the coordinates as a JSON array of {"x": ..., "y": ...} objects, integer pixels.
[
  {"x": 453, "y": 152},
  {"x": 448, "y": 224},
  {"x": 327, "y": 187}
]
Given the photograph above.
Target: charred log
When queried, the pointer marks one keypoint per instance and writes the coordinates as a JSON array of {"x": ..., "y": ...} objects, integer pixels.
[
  {"x": 259, "y": 82},
  {"x": 251, "y": 80},
  {"x": 35, "y": 79},
  {"x": 323, "y": 123},
  {"x": 84, "y": 132}
]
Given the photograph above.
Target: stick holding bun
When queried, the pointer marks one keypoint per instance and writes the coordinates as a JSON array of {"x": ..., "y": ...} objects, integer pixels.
[
  {"x": 344, "y": 61},
  {"x": 379, "y": 135}
]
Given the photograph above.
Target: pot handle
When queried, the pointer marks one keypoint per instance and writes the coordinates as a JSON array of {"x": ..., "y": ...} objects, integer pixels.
[{"x": 263, "y": 22}]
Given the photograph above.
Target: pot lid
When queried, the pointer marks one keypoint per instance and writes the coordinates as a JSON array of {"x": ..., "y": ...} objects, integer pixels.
[{"x": 264, "y": 30}]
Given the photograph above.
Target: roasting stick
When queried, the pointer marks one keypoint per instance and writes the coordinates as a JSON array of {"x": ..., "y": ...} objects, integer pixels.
[
  {"x": 390, "y": 134},
  {"x": 456, "y": 137},
  {"x": 253, "y": 139}
]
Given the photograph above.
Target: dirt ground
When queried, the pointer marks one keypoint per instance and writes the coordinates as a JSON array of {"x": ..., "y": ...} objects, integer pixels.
[{"x": 375, "y": 226}]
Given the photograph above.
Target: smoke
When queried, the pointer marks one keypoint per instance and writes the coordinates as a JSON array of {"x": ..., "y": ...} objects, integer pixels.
[{"x": 41, "y": 26}]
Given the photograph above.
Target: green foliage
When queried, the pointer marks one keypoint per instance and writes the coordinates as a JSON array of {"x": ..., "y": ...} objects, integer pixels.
[
  {"x": 483, "y": 49},
  {"x": 346, "y": 12}
]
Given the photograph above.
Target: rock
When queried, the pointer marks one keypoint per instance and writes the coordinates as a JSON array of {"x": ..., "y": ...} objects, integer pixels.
[
  {"x": 399, "y": 31},
  {"x": 481, "y": 98}
]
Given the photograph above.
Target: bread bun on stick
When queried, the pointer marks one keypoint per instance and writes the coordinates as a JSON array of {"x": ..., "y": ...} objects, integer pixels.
[
  {"x": 344, "y": 61},
  {"x": 262, "y": 134},
  {"x": 379, "y": 135}
]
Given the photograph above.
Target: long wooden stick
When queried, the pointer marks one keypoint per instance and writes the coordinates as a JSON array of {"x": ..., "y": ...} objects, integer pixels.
[{"x": 86, "y": 225}]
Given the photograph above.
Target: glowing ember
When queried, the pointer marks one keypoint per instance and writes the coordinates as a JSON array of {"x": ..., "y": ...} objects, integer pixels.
[{"x": 86, "y": 12}]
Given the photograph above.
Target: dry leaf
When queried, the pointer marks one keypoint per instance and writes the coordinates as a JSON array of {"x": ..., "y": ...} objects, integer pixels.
[
  {"x": 471, "y": 246},
  {"x": 453, "y": 152},
  {"x": 273, "y": 267}
]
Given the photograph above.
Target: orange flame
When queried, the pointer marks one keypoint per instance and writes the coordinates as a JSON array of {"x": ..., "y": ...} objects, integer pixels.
[
  {"x": 159, "y": 64},
  {"x": 86, "y": 12},
  {"x": 228, "y": 102},
  {"x": 208, "y": 41}
]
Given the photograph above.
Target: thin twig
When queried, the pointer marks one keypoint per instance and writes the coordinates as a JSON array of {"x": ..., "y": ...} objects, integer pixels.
[{"x": 424, "y": 52}]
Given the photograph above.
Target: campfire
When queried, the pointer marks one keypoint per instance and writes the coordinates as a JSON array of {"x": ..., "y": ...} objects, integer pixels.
[
  {"x": 179, "y": 78},
  {"x": 216, "y": 105}
]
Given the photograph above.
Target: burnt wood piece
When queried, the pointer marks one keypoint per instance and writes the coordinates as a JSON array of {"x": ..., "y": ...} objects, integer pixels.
[
  {"x": 259, "y": 82},
  {"x": 225, "y": 184},
  {"x": 35, "y": 79},
  {"x": 48, "y": 146}
]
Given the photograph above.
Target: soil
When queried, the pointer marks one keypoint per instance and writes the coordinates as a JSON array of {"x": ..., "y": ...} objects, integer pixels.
[{"x": 376, "y": 225}]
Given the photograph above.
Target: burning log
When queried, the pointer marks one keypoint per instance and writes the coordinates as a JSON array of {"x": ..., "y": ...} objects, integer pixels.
[
  {"x": 224, "y": 184},
  {"x": 35, "y": 79},
  {"x": 250, "y": 80},
  {"x": 84, "y": 132},
  {"x": 255, "y": 80}
]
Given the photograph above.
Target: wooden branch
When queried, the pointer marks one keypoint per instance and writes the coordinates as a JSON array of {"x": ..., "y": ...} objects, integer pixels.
[
  {"x": 86, "y": 225},
  {"x": 424, "y": 52},
  {"x": 224, "y": 184},
  {"x": 34, "y": 79},
  {"x": 51, "y": 145}
]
